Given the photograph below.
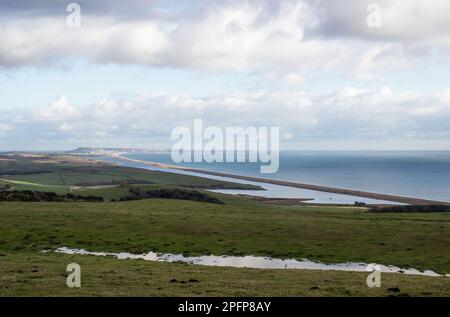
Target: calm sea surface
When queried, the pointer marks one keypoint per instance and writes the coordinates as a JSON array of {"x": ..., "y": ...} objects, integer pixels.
[{"x": 417, "y": 174}]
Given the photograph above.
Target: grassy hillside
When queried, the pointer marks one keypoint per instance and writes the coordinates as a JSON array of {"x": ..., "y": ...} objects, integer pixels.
[{"x": 328, "y": 234}]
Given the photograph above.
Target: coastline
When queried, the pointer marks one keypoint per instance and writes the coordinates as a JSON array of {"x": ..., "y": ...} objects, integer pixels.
[{"x": 335, "y": 190}]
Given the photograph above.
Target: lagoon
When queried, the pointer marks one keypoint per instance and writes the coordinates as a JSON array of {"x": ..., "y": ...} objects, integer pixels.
[
  {"x": 421, "y": 174},
  {"x": 270, "y": 190}
]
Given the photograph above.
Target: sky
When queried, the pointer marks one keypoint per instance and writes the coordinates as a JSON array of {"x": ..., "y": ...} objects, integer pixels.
[{"x": 350, "y": 74}]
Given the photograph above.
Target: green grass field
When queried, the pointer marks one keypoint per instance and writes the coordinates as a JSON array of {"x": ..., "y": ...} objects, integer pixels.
[
  {"x": 318, "y": 233},
  {"x": 29, "y": 185},
  {"x": 45, "y": 275},
  {"x": 326, "y": 234},
  {"x": 59, "y": 173}
]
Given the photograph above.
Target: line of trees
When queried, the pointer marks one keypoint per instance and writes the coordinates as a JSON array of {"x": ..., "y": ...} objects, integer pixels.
[
  {"x": 412, "y": 208},
  {"x": 38, "y": 196},
  {"x": 170, "y": 193}
]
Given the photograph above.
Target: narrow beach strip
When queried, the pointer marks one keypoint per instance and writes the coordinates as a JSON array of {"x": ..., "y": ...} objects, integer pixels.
[{"x": 327, "y": 189}]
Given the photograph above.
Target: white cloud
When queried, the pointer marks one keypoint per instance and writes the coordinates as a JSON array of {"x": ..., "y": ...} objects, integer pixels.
[
  {"x": 350, "y": 115},
  {"x": 246, "y": 37},
  {"x": 401, "y": 20},
  {"x": 58, "y": 110},
  {"x": 5, "y": 128},
  {"x": 64, "y": 127},
  {"x": 33, "y": 41},
  {"x": 289, "y": 37},
  {"x": 238, "y": 37}
]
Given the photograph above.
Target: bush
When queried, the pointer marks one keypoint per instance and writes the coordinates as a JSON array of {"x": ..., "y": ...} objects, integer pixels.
[
  {"x": 412, "y": 208},
  {"x": 171, "y": 193},
  {"x": 37, "y": 196}
]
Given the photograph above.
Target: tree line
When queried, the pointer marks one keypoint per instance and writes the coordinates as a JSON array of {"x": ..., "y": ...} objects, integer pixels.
[
  {"x": 411, "y": 208},
  {"x": 38, "y": 196},
  {"x": 170, "y": 193}
]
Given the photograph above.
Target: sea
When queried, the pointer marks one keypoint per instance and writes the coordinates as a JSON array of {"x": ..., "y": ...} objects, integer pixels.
[{"x": 421, "y": 174}]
